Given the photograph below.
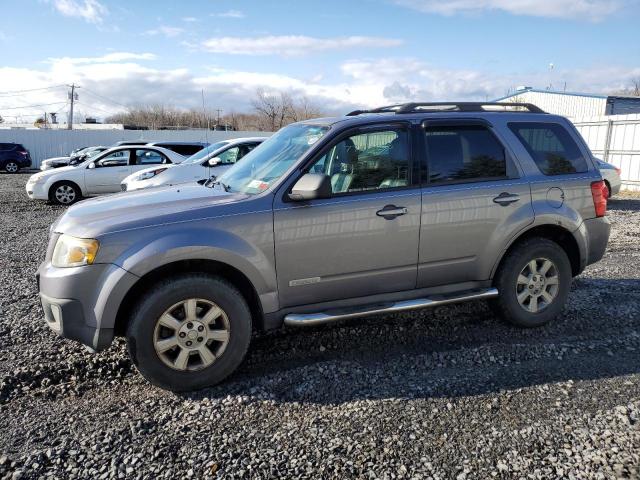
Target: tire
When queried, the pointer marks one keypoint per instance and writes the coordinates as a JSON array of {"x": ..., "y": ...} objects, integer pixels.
[
  {"x": 156, "y": 343},
  {"x": 511, "y": 287},
  {"x": 64, "y": 193},
  {"x": 608, "y": 187},
  {"x": 11, "y": 167}
]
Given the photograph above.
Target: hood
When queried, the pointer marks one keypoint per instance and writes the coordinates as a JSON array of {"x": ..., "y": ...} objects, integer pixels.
[
  {"x": 44, "y": 174},
  {"x": 143, "y": 208},
  {"x": 55, "y": 159}
]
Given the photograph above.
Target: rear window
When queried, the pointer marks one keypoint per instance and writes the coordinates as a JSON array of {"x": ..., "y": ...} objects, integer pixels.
[{"x": 551, "y": 147}]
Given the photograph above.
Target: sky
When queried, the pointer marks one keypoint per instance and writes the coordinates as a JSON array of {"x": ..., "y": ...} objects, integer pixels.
[{"x": 341, "y": 54}]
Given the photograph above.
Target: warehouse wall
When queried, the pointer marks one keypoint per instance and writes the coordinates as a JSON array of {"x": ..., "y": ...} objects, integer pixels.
[
  {"x": 57, "y": 143},
  {"x": 563, "y": 104}
]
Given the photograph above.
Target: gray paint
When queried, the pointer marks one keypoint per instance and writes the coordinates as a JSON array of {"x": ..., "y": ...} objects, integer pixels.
[{"x": 327, "y": 251}]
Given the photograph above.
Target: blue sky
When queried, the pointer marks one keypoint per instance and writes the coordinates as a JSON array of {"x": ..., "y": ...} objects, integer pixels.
[{"x": 340, "y": 54}]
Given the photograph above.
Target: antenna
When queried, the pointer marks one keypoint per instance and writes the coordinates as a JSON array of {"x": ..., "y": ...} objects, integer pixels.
[{"x": 204, "y": 112}]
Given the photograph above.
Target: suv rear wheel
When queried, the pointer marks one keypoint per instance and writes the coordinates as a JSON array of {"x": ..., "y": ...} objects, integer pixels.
[
  {"x": 189, "y": 332},
  {"x": 534, "y": 283}
]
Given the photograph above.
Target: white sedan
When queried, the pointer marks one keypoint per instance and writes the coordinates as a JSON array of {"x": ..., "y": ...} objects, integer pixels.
[
  {"x": 97, "y": 175},
  {"x": 210, "y": 161}
]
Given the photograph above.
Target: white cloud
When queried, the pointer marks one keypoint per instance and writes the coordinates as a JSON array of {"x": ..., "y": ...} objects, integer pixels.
[
  {"x": 291, "y": 45},
  {"x": 229, "y": 14},
  {"x": 189, "y": 19},
  {"x": 593, "y": 10},
  {"x": 108, "y": 58},
  {"x": 91, "y": 11},
  {"x": 165, "y": 30},
  {"x": 122, "y": 78}
]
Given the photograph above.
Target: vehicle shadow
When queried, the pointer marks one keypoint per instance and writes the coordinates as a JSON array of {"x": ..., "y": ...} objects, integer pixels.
[
  {"x": 452, "y": 351},
  {"x": 624, "y": 203}
]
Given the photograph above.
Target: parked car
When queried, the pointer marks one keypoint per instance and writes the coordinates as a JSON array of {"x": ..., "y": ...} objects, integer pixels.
[
  {"x": 210, "y": 161},
  {"x": 611, "y": 175},
  {"x": 185, "y": 149},
  {"x": 122, "y": 143},
  {"x": 13, "y": 157},
  {"x": 97, "y": 175},
  {"x": 76, "y": 157},
  {"x": 381, "y": 211}
]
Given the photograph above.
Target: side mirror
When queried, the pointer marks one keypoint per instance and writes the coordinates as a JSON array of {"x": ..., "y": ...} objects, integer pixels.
[
  {"x": 311, "y": 186},
  {"x": 214, "y": 161},
  {"x": 91, "y": 165}
]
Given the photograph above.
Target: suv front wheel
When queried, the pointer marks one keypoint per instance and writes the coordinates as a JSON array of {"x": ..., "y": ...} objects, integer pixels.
[
  {"x": 189, "y": 332},
  {"x": 533, "y": 282}
]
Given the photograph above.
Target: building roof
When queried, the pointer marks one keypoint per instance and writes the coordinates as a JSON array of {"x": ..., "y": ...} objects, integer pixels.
[{"x": 574, "y": 94}]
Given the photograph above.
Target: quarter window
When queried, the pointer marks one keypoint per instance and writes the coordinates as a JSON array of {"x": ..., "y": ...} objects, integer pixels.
[
  {"x": 467, "y": 153},
  {"x": 368, "y": 161},
  {"x": 551, "y": 147}
]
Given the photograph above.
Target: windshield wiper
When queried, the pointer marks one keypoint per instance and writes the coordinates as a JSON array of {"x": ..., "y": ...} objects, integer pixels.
[{"x": 212, "y": 182}]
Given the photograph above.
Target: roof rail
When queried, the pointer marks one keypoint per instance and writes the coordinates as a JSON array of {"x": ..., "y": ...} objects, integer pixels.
[{"x": 432, "y": 107}]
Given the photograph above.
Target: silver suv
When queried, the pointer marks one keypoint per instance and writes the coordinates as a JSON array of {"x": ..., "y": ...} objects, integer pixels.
[{"x": 380, "y": 211}]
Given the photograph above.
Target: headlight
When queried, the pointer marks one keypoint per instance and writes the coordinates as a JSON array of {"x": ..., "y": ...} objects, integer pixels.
[
  {"x": 151, "y": 174},
  {"x": 74, "y": 252}
]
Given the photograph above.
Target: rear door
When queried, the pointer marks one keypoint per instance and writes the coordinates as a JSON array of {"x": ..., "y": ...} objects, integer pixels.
[
  {"x": 109, "y": 171},
  {"x": 473, "y": 201}
]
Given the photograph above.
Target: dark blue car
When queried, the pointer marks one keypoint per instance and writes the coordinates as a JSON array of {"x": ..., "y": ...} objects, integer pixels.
[{"x": 13, "y": 157}]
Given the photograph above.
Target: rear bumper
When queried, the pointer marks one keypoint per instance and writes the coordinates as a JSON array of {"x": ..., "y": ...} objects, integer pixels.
[
  {"x": 81, "y": 303},
  {"x": 597, "y": 235}
]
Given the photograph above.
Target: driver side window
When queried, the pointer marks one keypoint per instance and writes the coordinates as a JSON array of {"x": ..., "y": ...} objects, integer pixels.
[
  {"x": 367, "y": 161},
  {"x": 115, "y": 159},
  {"x": 229, "y": 156}
]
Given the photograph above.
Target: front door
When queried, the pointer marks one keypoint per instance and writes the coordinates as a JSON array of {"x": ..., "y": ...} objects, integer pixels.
[
  {"x": 108, "y": 172},
  {"x": 364, "y": 239},
  {"x": 473, "y": 202}
]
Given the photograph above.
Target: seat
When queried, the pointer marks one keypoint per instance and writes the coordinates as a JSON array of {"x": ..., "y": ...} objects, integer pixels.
[
  {"x": 396, "y": 164},
  {"x": 345, "y": 159}
]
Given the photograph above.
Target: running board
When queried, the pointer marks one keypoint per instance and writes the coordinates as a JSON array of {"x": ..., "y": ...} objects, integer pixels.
[{"x": 310, "y": 319}]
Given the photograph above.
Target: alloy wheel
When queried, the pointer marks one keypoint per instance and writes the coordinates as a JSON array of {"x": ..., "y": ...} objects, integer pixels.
[
  {"x": 65, "y": 194},
  {"x": 537, "y": 285},
  {"x": 11, "y": 167},
  {"x": 191, "y": 335}
]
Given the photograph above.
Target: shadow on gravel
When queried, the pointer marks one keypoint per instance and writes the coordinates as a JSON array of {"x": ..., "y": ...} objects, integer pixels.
[
  {"x": 624, "y": 204},
  {"x": 450, "y": 352}
]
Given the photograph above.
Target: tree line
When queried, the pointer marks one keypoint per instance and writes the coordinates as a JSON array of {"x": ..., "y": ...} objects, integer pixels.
[{"x": 269, "y": 112}]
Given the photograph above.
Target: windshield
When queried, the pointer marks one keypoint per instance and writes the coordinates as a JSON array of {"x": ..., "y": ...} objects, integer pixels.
[
  {"x": 206, "y": 151},
  {"x": 264, "y": 165}
]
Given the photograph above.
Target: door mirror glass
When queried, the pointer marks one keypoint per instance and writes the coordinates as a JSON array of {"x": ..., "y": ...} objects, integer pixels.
[
  {"x": 214, "y": 161},
  {"x": 310, "y": 187}
]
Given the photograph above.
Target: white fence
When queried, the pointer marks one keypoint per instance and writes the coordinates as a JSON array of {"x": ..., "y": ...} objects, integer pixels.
[
  {"x": 57, "y": 143},
  {"x": 615, "y": 139}
]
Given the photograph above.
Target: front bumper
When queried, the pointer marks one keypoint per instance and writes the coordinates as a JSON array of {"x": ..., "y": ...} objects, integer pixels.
[
  {"x": 81, "y": 303},
  {"x": 37, "y": 191}
]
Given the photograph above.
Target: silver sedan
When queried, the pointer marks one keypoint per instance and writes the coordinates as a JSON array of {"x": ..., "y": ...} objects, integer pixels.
[{"x": 611, "y": 176}]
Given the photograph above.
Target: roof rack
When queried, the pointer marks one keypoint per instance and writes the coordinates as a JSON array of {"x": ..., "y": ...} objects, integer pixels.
[{"x": 431, "y": 107}]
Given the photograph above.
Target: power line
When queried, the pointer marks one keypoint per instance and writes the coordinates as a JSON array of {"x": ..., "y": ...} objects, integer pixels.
[
  {"x": 104, "y": 98},
  {"x": 12, "y": 93},
  {"x": 96, "y": 108},
  {"x": 31, "y": 106}
]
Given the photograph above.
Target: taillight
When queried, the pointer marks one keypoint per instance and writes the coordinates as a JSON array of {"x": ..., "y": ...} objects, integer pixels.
[{"x": 599, "y": 194}]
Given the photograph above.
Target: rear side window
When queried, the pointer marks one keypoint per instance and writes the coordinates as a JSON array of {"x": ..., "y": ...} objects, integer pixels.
[
  {"x": 186, "y": 150},
  {"x": 148, "y": 157},
  {"x": 7, "y": 146},
  {"x": 467, "y": 153},
  {"x": 551, "y": 147}
]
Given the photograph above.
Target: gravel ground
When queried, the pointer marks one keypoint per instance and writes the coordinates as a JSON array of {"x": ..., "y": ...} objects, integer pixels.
[{"x": 446, "y": 393}]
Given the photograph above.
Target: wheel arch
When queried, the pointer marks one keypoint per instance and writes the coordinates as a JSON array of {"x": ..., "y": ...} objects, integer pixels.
[
  {"x": 206, "y": 266},
  {"x": 563, "y": 237}
]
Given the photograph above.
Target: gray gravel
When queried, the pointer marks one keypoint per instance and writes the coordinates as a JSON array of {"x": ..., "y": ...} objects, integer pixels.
[{"x": 450, "y": 393}]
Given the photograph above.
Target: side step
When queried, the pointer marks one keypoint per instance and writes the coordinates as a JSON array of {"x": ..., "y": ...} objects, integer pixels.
[{"x": 309, "y": 319}]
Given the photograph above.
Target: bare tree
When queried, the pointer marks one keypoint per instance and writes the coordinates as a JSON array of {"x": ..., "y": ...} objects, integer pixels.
[{"x": 1, "y": 119}]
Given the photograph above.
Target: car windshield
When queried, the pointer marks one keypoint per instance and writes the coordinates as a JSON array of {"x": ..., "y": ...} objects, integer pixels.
[
  {"x": 206, "y": 151},
  {"x": 264, "y": 165}
]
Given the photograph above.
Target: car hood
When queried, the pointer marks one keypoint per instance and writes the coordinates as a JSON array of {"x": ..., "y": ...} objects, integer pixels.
[
  {"x": 144, "y": 208},
  {"x": 56, "y": 159},
  {"x": 45, "y": 174}
]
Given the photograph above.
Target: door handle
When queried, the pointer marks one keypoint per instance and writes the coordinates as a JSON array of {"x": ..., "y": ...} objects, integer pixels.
[
  {"x": 506, "y": 198},
  {"x": 389, "y": 212}
]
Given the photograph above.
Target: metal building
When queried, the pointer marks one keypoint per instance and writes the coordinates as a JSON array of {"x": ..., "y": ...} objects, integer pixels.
[{"x": 575, "y": 104}]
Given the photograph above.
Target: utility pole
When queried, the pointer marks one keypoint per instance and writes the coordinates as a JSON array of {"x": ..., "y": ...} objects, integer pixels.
[
  {"x": 218, "y": 121},
  {"x": 73, "y": 96}
]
